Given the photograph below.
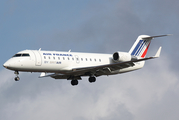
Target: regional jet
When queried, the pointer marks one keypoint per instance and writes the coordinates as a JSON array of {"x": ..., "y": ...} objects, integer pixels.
[{"x": 75, "y": 65}]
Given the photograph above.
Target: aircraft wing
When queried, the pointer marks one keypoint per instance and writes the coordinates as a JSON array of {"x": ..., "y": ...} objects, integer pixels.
[{"x": 84, "y": 71}]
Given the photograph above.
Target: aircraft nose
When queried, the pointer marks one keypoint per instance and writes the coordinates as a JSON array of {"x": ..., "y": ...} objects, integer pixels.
[{"x": 6, "y": 65}]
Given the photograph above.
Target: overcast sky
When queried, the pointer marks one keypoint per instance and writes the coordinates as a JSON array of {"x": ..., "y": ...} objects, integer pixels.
[{"x": 102, "y": 26}]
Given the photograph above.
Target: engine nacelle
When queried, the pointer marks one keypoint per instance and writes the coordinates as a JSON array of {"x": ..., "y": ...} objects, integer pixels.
[{"x": 123, "y": 56}]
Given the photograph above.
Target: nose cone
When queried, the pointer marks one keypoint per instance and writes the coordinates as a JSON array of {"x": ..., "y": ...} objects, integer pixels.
[
  {"x": 6, "y": 65},
  {"x": 13, "y": 64},
  {"x": 9, "y": 64}
]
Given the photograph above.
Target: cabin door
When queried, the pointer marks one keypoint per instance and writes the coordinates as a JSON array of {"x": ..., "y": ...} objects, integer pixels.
[
  {"x": 38, "y": 59},
  {"x": 77, "y": 59}
]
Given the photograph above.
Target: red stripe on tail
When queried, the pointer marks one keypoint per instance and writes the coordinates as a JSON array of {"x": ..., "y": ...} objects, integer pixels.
[{"x": 145, "y": 52}]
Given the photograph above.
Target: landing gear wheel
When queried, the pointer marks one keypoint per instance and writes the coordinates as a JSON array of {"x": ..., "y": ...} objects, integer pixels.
[
  {"x": 74, "y": 82},
  {"x": 92, "y": 79},
  {"x": 16, "y": 78},
  {"x": 16, "y": 72}
]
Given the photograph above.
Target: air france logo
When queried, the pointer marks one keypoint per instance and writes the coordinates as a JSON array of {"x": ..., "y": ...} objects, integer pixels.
[{"x": 56, "y": 54}]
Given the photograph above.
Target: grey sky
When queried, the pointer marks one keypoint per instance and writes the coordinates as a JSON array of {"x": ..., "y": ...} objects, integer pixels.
[{"x": 91, "y": 26}]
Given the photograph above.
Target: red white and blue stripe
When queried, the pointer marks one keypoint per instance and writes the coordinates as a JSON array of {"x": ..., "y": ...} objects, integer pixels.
[{"x": 141, "y": 48}]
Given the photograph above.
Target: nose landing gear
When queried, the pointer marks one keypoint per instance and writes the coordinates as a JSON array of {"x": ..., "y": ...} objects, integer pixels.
[{"x": 17, "y": 77}]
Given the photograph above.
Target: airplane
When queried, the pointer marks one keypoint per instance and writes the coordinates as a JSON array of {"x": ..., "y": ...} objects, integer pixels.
[{"x": 74, "y": 65}]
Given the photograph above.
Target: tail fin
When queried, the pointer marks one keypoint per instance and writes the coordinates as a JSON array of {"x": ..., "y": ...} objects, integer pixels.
[{"x": 141, "y": 45}]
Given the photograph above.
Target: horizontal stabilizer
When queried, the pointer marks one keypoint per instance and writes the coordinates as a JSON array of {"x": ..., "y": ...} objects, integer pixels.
[{"x": 151, "y": 37}]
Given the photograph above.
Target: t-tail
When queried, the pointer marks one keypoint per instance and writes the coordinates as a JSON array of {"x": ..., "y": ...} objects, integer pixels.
[{"x": 141, "y": 45}]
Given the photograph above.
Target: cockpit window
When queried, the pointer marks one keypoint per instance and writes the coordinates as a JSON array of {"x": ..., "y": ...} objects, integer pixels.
[
  {"x": 21, "y": 55},
  {"x": 25, "y": 54},
  {"x": 17, "y": 55}
]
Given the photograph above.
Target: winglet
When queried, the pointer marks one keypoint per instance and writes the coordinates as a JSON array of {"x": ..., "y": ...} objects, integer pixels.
[{"x": 158, "y": 52}]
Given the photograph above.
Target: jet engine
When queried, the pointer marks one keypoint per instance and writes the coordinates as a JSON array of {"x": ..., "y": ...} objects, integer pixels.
[{"x": 123, "y": 56}]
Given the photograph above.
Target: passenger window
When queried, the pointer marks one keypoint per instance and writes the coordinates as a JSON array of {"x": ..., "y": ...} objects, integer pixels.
[
  {"x": 90, "y": 59},
  {"x": 86, "y": 59},
  {"x": 63, "y": 58},
  {"x": 49, "y": 57},
  {"x": 68, "y": 58},
  {"x": 81, "y": 59},
  {"x": 94, "y": 59},
  {"x": 44, "y": 57},
  {"x": 99, "y": 60},
  {"x": 72, "y": 58},
  {"x": 59, "y": 58},
  {"x": 54, "y": 58}
]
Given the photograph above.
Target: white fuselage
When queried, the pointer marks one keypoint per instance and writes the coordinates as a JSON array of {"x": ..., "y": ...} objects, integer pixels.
[
  {"x": 73, "y": 65},
  {"x": 59, "y": 62}
]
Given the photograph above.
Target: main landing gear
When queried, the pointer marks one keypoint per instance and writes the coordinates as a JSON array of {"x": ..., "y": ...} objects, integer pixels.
[
  {"x": 92, "y": 79},
  {"x": 17, "y": 77},
  {"x": 75, "y": 82}
]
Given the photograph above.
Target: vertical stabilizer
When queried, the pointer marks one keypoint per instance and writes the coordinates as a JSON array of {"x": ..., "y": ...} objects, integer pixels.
[{"x": 141, "y": 45}]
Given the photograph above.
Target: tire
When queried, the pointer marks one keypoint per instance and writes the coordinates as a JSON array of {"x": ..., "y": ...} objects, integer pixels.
[
  {"x": 92, "y": 79},
  {"x": 74, "y": 82}
]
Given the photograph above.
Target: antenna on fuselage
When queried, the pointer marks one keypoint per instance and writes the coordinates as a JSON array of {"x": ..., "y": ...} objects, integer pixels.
[
  {"x": 40, "y": 49},
  {"x": 69, "y": 50}
]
